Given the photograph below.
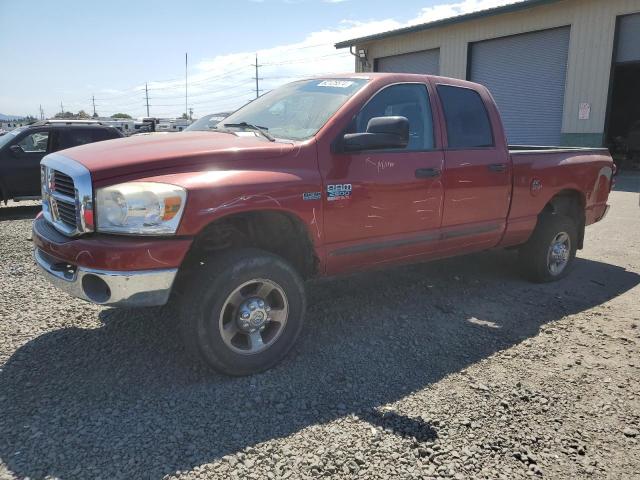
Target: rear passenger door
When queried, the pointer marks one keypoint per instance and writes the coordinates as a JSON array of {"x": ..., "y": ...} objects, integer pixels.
[{"x": 477, "y": 176}]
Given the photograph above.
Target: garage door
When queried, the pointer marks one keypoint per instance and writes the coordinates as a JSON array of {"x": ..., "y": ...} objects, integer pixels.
[
  {"x": 424, "y": 62},
  {"x": 628, "y": 39},
  {"x": 526, "y": 75}
]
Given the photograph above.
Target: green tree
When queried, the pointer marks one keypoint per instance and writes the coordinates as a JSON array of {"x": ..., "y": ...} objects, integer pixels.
[
  {"x": 184, "y": 116},
  {"x": 65, "y": 115},
  {"x": 121, "y": 115},
  {"x": 82, "y": 115}
]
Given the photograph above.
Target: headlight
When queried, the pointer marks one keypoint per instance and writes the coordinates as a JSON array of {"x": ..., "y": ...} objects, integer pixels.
[{"x": 143, "y": 208}]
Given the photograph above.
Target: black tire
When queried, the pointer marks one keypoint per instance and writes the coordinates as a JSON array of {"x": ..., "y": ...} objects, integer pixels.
[
  {"x": 206, "y": 294},
  {"x": 534, "y": 255}
]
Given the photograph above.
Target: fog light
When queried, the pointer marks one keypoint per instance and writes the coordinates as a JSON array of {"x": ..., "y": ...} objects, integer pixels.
[{"x": 95, "y": 288}]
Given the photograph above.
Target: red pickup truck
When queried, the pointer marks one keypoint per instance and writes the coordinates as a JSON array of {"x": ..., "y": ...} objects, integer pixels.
[{"x": 316, "y": 178}]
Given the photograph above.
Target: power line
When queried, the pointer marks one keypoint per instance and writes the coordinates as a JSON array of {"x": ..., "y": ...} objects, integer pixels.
[
  {"x": 146, "y": 91},
  {"x": 186, "y": 108},
  {"x": 257, "y": 78}
]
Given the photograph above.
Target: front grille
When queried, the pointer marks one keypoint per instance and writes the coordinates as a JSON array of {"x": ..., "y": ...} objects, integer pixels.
[
  {"x": 67, "y": 212},
  {"x": 67, "y": 195},
  {"x": 63, "y": 184}
]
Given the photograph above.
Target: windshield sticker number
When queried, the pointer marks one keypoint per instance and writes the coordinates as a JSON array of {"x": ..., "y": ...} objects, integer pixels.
[
  {"x": 339, "y": 192},
  {"x": 335, "y": 83}
]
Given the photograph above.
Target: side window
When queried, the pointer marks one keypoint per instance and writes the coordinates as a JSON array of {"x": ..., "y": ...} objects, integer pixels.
[
  {"x": 35, "y": 142},
  {"x": 468, "y": 124},
  {"x": 408, "y": 100},
  {"x": 68, "y": 138}
]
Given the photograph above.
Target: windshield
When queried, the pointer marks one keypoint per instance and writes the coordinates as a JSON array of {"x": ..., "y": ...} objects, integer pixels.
[
  {"x": 297, "y": 110},
  {"x": 9, "y": 136},
  {"x": 207, "y": 122}
]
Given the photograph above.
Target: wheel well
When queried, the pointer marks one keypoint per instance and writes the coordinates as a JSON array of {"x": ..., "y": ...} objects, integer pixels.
[
  {"x": 276, "y": 232},
  {"x": 572, "y": 204}
]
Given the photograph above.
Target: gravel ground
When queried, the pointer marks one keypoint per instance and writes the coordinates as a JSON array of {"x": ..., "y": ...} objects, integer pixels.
[{"x": 456, "y": 368}]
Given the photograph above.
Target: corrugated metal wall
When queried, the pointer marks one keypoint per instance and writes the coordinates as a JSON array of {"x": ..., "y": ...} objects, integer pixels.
[
  {"x": 590, "y": 49},
  {"x": 629, "y": 39},
  {"x": 425, "y": 62},
  {"x": 526, "y": 75}
]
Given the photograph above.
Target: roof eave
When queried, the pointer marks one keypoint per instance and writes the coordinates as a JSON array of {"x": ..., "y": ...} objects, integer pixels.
[{"x": 512, "y": 7}]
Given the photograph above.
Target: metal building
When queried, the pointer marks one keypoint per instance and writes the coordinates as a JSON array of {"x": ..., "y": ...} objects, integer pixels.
[{"x": 562, "y": 71}]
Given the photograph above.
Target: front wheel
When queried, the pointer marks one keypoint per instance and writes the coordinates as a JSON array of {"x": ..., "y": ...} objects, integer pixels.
[
  {"x": 550, "y": 252},
  {"x": 243, "y": 311}
]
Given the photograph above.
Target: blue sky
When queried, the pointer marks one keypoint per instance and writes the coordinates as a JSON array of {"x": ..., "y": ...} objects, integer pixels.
[{"x": 69, "y": 50}]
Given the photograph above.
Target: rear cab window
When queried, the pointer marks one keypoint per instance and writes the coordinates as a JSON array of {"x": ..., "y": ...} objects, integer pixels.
[{"x": 466, "y": 118}]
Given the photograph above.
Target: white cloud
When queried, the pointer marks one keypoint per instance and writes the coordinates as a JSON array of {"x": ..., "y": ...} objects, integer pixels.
[{"x": 225, "y": 82}]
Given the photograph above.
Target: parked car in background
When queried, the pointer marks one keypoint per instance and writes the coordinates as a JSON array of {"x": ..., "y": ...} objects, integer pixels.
[
  {"x": 22, "y": 149},
  {"x": 316, "y": 178},
  {"x": 207, "y": 122}
]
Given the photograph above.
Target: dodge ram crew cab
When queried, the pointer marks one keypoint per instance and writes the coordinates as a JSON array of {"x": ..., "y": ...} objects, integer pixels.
[{"x": 319, "y": 177}]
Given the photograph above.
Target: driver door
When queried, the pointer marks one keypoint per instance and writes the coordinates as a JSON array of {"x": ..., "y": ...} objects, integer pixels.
[
  {"x": 22, "y": 164},
  {"x": 384, "y": 205}
]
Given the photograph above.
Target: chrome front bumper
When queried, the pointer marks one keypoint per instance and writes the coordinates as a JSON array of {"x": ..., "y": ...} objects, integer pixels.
[{"x": 119, "y": 289}]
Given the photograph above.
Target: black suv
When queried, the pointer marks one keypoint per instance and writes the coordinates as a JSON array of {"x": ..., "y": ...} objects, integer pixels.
[{"x": 22, "y": 149}]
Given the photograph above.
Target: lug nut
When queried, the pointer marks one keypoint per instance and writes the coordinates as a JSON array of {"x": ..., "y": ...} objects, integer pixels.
[
  {"x": 245, "y": 315},
  {"x": 253, "y": 306},
  {"x": 261, "y": 303}
]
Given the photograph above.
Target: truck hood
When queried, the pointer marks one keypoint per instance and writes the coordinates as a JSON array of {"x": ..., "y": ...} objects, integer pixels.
[{"x": 152, "y": 152}]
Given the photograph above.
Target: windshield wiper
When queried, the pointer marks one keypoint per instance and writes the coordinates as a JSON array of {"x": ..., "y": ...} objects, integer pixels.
[{"x": 261, "y": 130}]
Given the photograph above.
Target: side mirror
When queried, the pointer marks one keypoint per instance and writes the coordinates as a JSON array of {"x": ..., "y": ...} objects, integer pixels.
[
  {"x": 16, "y": 150},
  {"x": 382, "y": 132}
]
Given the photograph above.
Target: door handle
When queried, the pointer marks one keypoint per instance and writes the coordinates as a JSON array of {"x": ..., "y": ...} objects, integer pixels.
[
  {"x": 497, "y": 167},
  {"x": 427, "y": 172}
]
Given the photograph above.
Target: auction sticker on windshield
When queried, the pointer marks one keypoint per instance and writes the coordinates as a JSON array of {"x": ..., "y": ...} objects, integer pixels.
[{"x": 336, "y": 83}]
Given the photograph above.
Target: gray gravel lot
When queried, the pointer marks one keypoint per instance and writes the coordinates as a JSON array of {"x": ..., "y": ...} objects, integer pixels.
[{"x": 458, "y": 368}]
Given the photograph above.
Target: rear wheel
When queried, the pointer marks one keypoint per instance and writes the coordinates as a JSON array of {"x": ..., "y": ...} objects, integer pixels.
[
  {"x": 243, "y": 311},
  {"x": 550, "y": 252}
]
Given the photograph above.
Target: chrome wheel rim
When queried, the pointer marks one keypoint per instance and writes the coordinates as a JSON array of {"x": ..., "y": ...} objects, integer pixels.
[
  {"x": 253, "y": 316},
  {"x": 559, "y": 253}
]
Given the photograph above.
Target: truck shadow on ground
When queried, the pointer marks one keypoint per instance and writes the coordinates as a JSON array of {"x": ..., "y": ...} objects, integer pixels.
[{"x": 124, "y": 401}]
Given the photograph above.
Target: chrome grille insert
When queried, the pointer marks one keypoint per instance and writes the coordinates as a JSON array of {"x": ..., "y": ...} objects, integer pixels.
[
  {"x": 67, "y": 195},
  {"x": 64, "y": 184}
]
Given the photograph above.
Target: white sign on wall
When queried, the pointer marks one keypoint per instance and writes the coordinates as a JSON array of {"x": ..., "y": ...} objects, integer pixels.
[{"x": 584, "y": 112}]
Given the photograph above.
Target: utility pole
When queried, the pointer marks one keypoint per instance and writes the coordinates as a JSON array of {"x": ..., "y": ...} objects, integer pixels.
[
  {"x": 93, "y": 100},
  {"x": 257, "y": 78},
  {"x": 61, "y": 108},
  {"x": 146, "y": 92},
  {"x": 191, "y": 113},
  {"x": 41, "y": 113},
  {"x": 186, "y": 109}
]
